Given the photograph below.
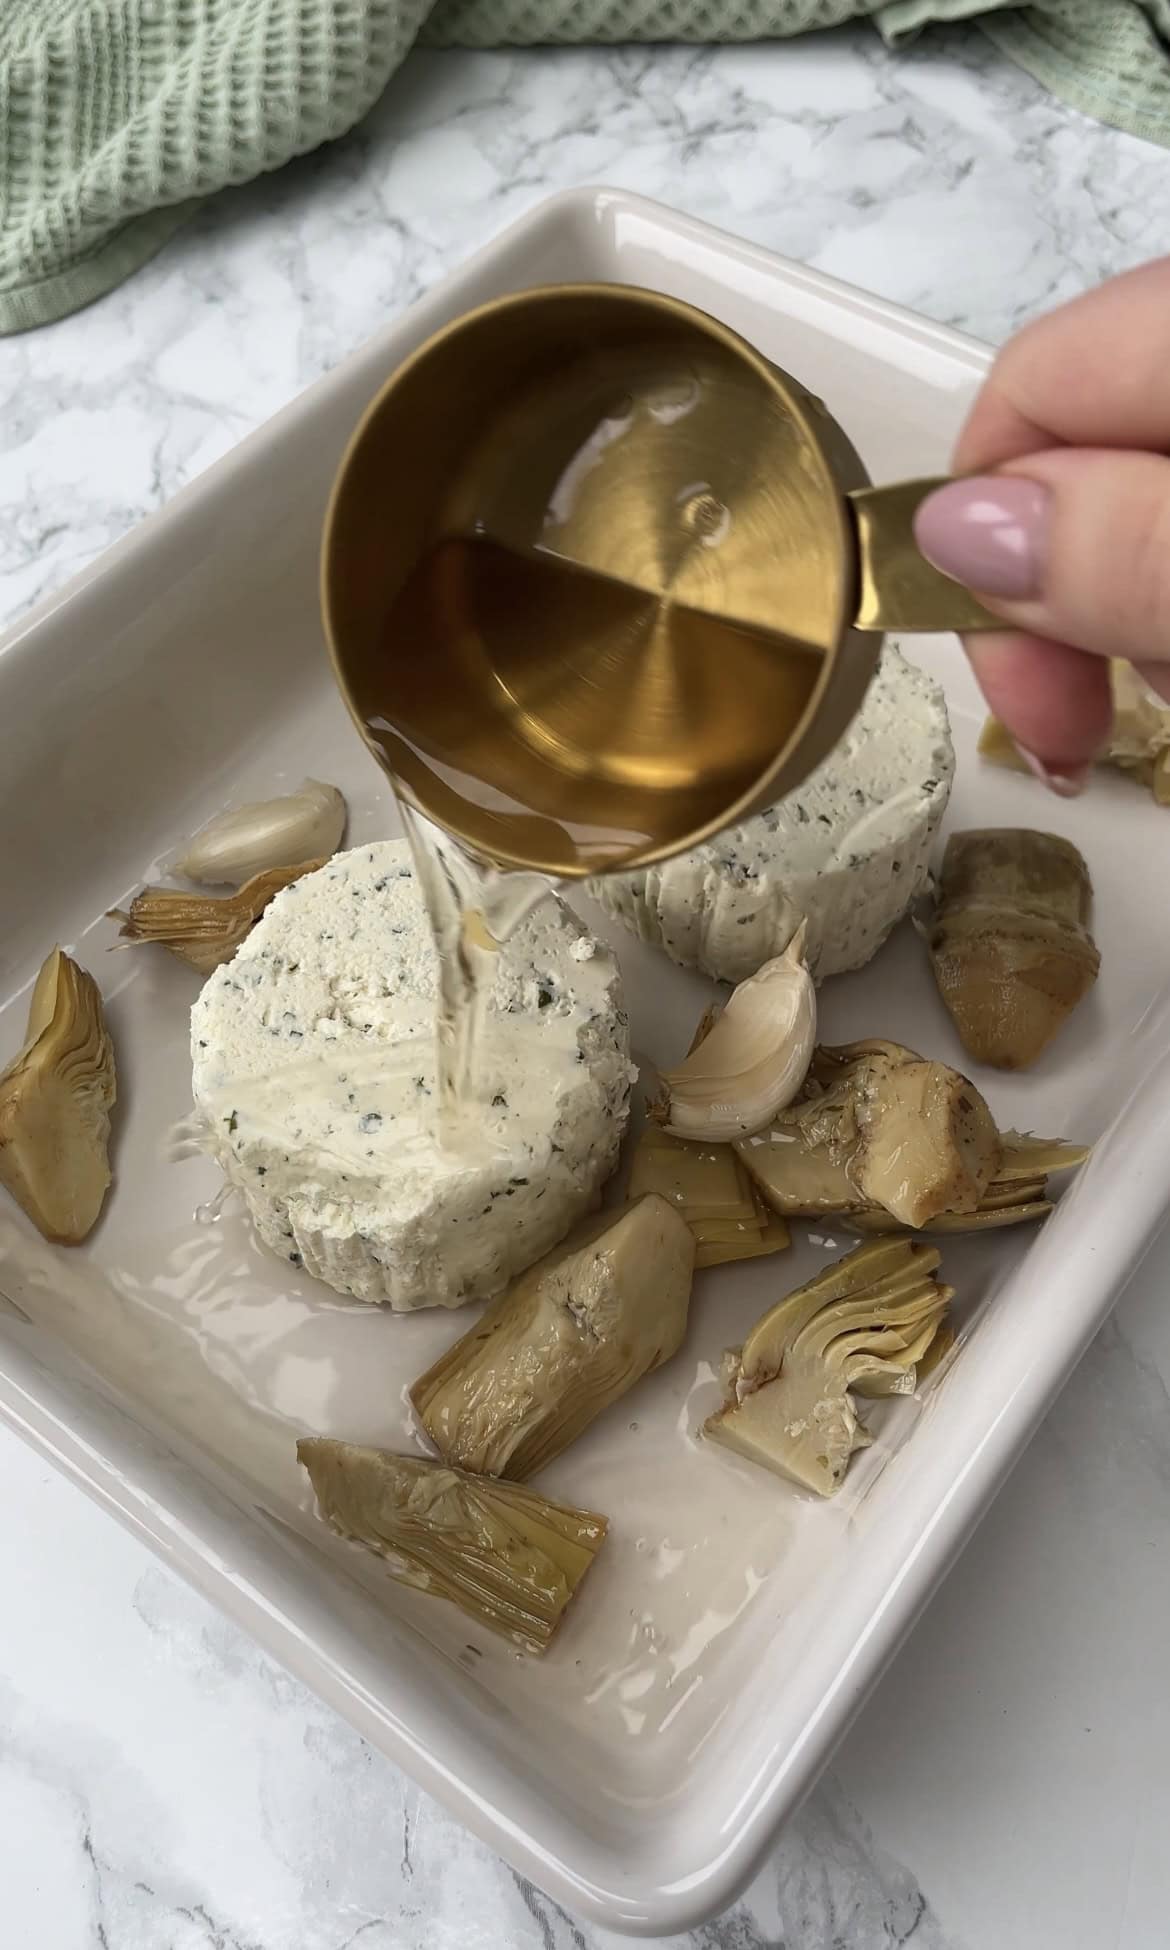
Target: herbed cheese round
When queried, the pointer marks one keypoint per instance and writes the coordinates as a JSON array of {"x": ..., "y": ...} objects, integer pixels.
[
  {"x": 314, "y": 1081},
  {"x": 847, "y": 852}
]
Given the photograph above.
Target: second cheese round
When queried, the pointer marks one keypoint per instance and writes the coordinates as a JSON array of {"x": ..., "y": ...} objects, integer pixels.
[{"x": 848, "y": 852}]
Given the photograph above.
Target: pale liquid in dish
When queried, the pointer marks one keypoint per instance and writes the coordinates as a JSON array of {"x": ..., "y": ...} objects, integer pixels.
[{"x": 230, "y": 1355}]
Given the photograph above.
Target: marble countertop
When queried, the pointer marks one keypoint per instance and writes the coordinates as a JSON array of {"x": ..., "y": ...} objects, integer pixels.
[{"x": 163, "y": 1786}]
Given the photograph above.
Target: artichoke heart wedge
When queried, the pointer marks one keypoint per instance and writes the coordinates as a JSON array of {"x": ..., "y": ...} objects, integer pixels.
[
  {"x": 861, "y": 1327},
  {"x": 1009, "y": 944},
  {"x": 1019, "y": 1191},
  {"x": 720, "y": 1244},
  {"x": 1140, "y": 739},
  {"x": 707, "y": 1186},
  {"x": 1001, "y": 1205},
  {"x": 1017, "y": 1194},
  {"x": 510, "y": 1558},
  {"x": 204, "y": 930},
  {"x": 877, "y": 1126},
  {"x": 55, "y": 1101},
  {"x": 567, "y": 1339},
  {"x": 1026, "y": 1158},
  {"x": 1139, "y": 742}
]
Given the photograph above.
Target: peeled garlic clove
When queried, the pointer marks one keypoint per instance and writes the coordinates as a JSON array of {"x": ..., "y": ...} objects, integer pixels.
[
  {"x": 247, "y": 840},
  {"x": 754, "y": 1058},
  {"x": 509, "y": 1557},
  {"x": 55, "y": 1102},
  {"x": 202, "y": 929}
]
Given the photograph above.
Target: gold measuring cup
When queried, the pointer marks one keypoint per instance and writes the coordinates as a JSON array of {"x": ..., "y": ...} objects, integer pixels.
[{"x": 599, "y": 580}]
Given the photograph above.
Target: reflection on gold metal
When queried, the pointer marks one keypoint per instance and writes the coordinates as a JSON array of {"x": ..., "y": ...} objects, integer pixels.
[{"x": 591, "y": 577}]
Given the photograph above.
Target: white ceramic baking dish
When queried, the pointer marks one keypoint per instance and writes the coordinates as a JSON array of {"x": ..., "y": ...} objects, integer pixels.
[{"x": 731, "y": 1628}]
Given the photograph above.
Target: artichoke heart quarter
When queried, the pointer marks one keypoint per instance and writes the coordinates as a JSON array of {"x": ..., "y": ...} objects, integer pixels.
[
  {"x": 566, "y": 1340},
  {"x": 1016, "y": 1195},
  {"x": 877, "y": 1126},
  {"x": 1139, "y": 742},
  {"x": 709, "y": 1187},
  {"x": 510, "y": 1558},
  {"x": 204, "y": 930},
  {"x": 861, "y": 1327},
  {"x": 55, "y": 1103},
  {"x": 1010, "y": 946},
  {"x": 1019, "y": 1191}
]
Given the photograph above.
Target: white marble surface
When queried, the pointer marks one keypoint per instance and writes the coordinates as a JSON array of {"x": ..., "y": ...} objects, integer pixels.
[{"x": 162, "y": 1785}]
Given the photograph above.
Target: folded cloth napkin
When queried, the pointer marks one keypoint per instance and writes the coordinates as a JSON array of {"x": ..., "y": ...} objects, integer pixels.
[{"x": 116, "y": 116}]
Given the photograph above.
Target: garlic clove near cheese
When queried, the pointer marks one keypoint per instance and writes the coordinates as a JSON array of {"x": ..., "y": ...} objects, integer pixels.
[
  {"x": 753, "y": 1059},
  {"x": 246, "y": 840},
  {"x": 55, "y": 1101},
  {"x": 204, "y": 930},
  {"x": 507, "y": 1556}
]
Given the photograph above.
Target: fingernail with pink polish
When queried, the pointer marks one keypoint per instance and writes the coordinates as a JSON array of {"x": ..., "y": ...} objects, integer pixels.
[
  {"x": 1068, "y": 782},
  {"x": 989, "y": 532}
]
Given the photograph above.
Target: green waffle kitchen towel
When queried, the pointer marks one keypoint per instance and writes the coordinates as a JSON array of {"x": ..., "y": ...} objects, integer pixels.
[{"x": 116, "y": 116}]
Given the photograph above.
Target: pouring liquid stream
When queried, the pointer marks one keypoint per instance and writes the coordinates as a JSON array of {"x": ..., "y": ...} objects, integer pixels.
[
  {"x": 473, "y": 909},
  {"x": 578, "y": 659}
]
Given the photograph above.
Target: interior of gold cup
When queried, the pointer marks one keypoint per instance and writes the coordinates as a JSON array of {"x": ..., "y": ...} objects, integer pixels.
[{"x": 588, "y": 579}]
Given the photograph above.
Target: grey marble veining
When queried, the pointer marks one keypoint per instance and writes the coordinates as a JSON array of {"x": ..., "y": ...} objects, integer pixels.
[
  {"x": 163, "y": 1786},
  {"x": 942, "y": 177}
]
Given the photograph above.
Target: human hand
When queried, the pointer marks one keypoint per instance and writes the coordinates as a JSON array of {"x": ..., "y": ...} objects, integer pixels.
[{"x": 1063, "y": 526}]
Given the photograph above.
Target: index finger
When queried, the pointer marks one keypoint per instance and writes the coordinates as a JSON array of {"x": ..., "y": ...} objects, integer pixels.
[{"x": 1096, "y": 372}]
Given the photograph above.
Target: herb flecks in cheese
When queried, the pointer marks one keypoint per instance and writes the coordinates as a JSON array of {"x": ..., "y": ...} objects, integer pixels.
[
  {"x": 847, "y": 853},
  {"x": 313, "y": 1072}
]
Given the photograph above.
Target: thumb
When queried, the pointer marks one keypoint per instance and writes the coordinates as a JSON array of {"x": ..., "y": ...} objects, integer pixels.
[{"x": 1072, "y": 544}]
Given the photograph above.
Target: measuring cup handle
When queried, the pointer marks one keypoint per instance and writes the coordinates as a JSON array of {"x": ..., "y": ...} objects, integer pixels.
[{"x": 897, "y": 587}]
